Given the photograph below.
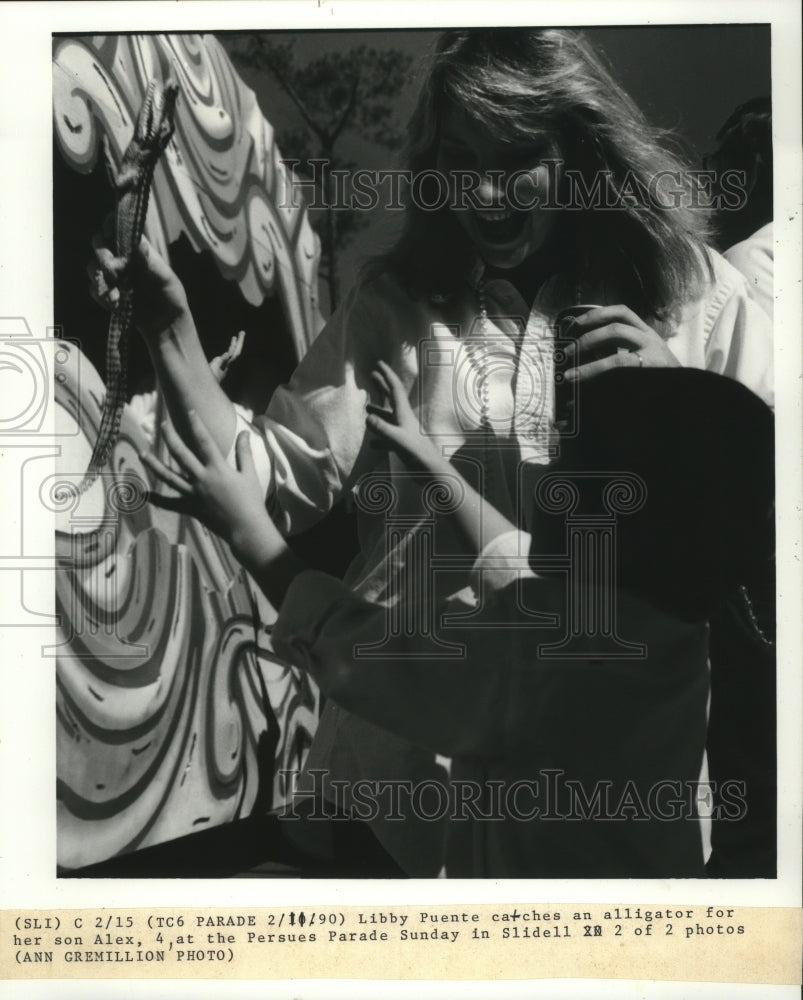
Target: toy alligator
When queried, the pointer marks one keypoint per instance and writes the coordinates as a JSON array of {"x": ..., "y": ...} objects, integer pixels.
[{"x": 132, "y": 182}]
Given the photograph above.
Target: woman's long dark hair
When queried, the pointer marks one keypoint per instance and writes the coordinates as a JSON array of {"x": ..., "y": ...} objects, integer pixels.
[{"x": 517, "y": 83}]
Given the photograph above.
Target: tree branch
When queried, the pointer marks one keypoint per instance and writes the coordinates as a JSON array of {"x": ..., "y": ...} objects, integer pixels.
[
  {"x": 347, "y": 111},
  {"x": 289, "y": 89}
]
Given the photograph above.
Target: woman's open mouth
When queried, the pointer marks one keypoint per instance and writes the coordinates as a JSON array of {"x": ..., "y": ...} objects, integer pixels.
[{"x": 499, "y": 227}]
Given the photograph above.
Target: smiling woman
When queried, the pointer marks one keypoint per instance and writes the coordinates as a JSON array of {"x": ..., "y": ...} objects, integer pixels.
[
  {"x": 491, "y": 207},
  {"x": 538, "y": 120}
]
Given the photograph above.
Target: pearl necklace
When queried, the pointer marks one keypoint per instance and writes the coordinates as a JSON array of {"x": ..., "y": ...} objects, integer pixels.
[
  {"x": 477, "y": 351},
  {"x": 477, "y": 355}
]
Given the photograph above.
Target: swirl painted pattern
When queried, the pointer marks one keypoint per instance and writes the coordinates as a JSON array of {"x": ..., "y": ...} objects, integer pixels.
[
  {"x": 173, "y": 714},
  {"x": 167, "y": 688},
  {"x": 221, "y": 181}
]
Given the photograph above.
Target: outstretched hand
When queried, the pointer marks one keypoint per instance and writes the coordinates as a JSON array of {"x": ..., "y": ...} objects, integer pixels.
[
  {"x": 159, "y": 296},
  {"x": 397, "y": 429},
  {"x": 613, "y": 337},
  {"x": 221, "y": 364},
  {"x": 228, "y": 501}
]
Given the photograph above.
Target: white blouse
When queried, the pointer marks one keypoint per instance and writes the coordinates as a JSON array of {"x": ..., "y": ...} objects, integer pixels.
[{"x": 310, "y": 447}]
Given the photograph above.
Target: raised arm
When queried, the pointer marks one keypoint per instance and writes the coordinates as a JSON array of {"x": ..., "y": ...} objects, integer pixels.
[
  {"x": 163, "y": 317},
  {"x": 309, "y": 446},
  {"x": 398, "y": 430}
]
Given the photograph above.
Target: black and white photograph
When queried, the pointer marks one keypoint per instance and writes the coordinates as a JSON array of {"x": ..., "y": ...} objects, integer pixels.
[{"x": 403, "y": 461}]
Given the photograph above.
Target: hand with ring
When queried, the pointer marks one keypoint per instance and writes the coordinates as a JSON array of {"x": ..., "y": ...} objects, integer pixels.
[{"x": 609, "y": 337}]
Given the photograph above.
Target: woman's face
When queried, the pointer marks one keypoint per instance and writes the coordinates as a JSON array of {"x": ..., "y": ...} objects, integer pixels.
[{"x": 492, "y": 186}]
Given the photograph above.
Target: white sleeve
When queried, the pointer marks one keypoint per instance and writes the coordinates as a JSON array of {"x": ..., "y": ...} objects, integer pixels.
[
  {"x": 259, "y": 452},
  {"x": 310, "y": 444},
  {"x": 740, "y": 342},
  {"x": 502, "y": 561},
  {"x": 753, "y": 258}
]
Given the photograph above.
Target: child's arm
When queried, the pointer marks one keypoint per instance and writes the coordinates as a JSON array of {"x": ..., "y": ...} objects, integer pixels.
[
  {"x": 453, "y": 706},
  {"x": 399, "y": 431},
  {"x": 229, "y": 502}
]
